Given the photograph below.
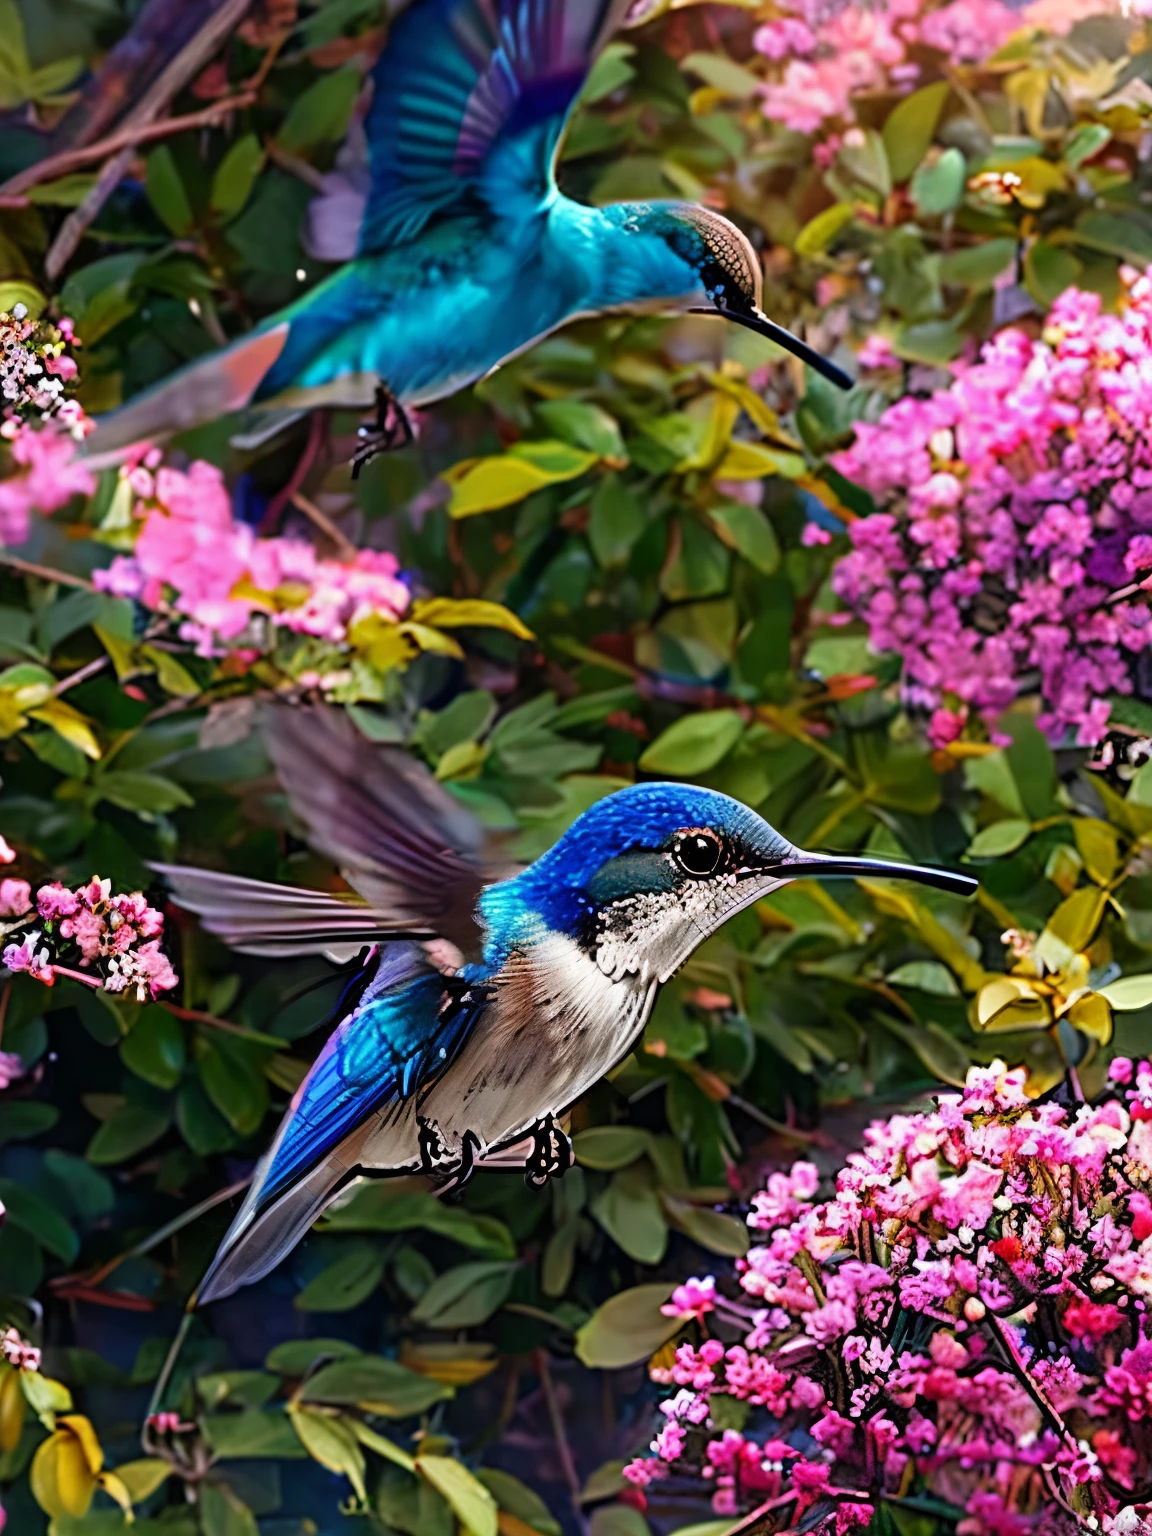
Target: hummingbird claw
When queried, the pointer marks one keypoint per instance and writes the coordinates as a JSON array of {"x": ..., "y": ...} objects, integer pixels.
[
  {"x": 391, "y": 428},
  {"x": 551, "y": 1155}
]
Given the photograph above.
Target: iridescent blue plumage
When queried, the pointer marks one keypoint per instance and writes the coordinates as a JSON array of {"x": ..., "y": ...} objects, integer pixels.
[
  {"x": 467, "y": 250},
  {"x": 469, "y": 1060}
]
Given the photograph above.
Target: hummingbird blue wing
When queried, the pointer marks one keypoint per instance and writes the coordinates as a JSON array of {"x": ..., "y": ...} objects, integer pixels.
[
  {"x": 405, "y": 1031},
  {"x": 470, "y": 101}
]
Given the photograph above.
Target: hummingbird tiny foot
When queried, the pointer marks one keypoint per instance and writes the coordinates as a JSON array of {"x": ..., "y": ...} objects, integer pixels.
[
  {"x": 459, "y": 1175},
  {"x": 434, "y": 1155},
  {"x": 390, "y": 428},
  {"x": 551, "y": 1155}
]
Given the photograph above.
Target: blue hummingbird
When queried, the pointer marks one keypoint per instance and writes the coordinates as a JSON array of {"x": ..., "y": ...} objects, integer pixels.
[
  {"x": 490, "y": 1005},
  {"x": 468, "y": 251}
]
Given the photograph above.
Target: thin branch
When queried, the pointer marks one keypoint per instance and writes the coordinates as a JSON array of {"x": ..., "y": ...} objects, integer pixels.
[
  {"x": 44, "y": 572},
  {"x": 80, "y": 676},
  {"x": 293, "y": 164},
  {"x": 195, "y": 53},
  {"x": 344, "y": 545},
  {"x": 563, "y": 1450},
  {"x": 194, "y": 1016},
  {"x": 69, "y": 160}
]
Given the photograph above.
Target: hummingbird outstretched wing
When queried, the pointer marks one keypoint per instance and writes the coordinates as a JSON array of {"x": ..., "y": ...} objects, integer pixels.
[
  {"x": 415, "y": 856},
  {"x": 406, "y": 1029},
  {"x": 470, "y": 102}
]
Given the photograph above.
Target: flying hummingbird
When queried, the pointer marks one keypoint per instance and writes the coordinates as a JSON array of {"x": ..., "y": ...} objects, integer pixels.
[
  {"x": 468, "y": 250},
  {"x": 491, "y": 1004}
]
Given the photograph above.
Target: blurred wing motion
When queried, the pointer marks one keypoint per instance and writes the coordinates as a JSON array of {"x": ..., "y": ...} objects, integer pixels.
[
  {"x": 470, "y": 102},
  {"x": 416, "y": 857},
  {"x": 278, "y": 921},
  {"x": 406, "y": 1029}
]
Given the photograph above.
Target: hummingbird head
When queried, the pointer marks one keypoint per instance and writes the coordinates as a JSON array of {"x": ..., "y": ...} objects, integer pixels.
[
  {"x": 647, "y": 874},
  {"x": 728, "y": 270}
]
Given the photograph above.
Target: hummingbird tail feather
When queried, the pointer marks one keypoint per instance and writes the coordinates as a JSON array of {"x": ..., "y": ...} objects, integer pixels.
[
  {"x": 210, "y": 387},
  {"x": 256, "y": 1243}
]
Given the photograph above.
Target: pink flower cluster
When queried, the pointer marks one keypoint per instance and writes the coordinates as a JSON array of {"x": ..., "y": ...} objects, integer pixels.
[
  {"x": 193, "y": 559},
  {"x": 826, "y": 54},
  {"x": 968, "y": 1319},
  {"x": 1014, "y": 540},
  {"x": 16, "y": 1350},
  {"x": 114, "y": 940},
  {"x": 47, "y": 475},
  {"x": 36, "y": 366}
]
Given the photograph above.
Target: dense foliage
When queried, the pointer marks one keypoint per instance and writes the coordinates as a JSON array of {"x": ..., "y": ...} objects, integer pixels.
[{"x": 910, "y": 620}]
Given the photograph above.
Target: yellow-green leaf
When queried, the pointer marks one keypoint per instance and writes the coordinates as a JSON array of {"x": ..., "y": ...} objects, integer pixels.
[
  {"x": 1129, "y": 993},
  {"x": 909, "y": 128},
  {"x": 142, "y": 1478},
  {"x": 819, "y": 233},
  {"x": 70, "y": 724},
  {"x": 628, "y": 1328},
  {"x": 471, "y": 1503},
  {"x": 1075, "y": 920},
  {"x": 455, "y": 613},
  {"x": 482, "y": 485},
  {"x": 1098, "y": 844},
  {"x": 328, "y": 1440}
]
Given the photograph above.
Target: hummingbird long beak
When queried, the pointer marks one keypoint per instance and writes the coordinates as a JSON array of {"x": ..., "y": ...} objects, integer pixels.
[
  {"x": 759, "y": 322},
  {"x": 802, "y": 865}
]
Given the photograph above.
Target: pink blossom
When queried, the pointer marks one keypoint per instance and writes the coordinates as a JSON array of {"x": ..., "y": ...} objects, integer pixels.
[
  {"x": 11, "y": 1067},
  {"x": 7, "y": 854},
  {"x": 56, "y": 901},
  {"x": 971, "y": 1258},
  {"x": 877, "y": 352},
  {"x": 18, "y": 1352},
  {"x": 1027, "y": 477},
  {"x": 692, "y": 1299},
  {"x": 15, "y": 898}
]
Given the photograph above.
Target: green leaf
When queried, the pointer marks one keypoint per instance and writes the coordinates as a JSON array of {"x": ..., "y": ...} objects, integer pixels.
[
  {"x": 34, "y": 1215},
  {"x": 714, "y": 1230},
  {"x": 585, "y": 426},
  {"x": 819, "y": 233},
  {"x": 938, "y": 186},
  {"x": 977, "y": 266},
  {"x": 910, "y": 127},
  {"x": 471, "y": 1503},
  {"x": 1129, "y": 993},
  {"x": 166, "y": 191},
  {"x": 143, "y": 1477},
  {"x": 1085, "y": 140},
  {"x": 610, "y": 1146},
  {"x": 222, "y": 1513},
  {"x": 25, "y": 1119},
  {"x": 1048, "y": 270},
  {"x": 999, "y": 838},
  {"x": 344, "y": 1284},
  {"x": 375, "y": 1384},
  {"x": 319, "y": 115},
  {"x": 723, "y": 74},
  {"x": 631, "y": 1214},
  {"x": 929, "y": 976},
  {"x": 628, "y": 1328},
  {"x": 482, "y": 485},
  {"x": 694, "y": 743},
  {"x": 378, "y": 1208},
  {"x": 255, "y": 1433},
  {"x": 466, "y": 1295},
  {"x": 749, "y": 532},
  {"x": 296, "y": 1357},
  {"x": 618, "y": 1520},
  {"x": 939, "y": 1051},
  {"x": 127, "y": 1133},
  {"x": 616, "y": 520},
  {"x": 519, "y": 1500},
  {"x": 1116, "y": 234},
  {"x": 329, "y": 1441},
  {"x": 233, "y": 1080},
  {"x": 154, "y": 1049},
  {"x": 148, "y": 792},
  {"x": 236, "y": 176}
]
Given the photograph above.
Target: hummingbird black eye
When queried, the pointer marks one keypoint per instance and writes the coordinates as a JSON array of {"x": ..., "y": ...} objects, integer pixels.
[{"x": 699, "y": 853}]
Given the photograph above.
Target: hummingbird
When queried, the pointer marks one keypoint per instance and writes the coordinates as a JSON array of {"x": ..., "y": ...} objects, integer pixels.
[
  {"x": 487, "y": 1006},
  {"x": 468, "y": 251}
]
